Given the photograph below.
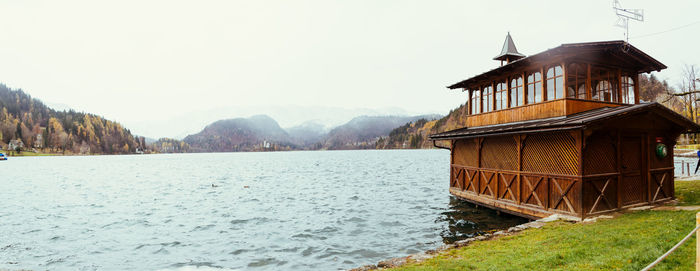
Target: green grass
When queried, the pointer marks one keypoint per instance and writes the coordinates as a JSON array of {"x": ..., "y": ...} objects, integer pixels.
[
  {"x": 688, "y": 192},
  {"x": 627, "y": 242},
  {"x": 26, "y": 153}
]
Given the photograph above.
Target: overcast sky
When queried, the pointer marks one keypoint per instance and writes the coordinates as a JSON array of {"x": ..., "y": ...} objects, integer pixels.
[{"x": 137, "y": 60}]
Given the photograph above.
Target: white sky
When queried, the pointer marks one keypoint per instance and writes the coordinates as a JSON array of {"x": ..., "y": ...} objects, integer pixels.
[{"x": 146, "y": 60}]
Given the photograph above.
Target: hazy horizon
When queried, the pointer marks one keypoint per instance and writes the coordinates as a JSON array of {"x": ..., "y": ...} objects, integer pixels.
[{"x": 140, "y": 62}]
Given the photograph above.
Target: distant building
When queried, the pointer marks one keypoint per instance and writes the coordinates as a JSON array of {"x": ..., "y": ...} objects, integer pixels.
[
  {"x": 39, "y": 142},
  {"x": 14, "y": 144}
]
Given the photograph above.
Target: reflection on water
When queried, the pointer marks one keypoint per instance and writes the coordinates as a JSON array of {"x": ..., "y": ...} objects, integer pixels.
[{"x": 465, "y": 220}]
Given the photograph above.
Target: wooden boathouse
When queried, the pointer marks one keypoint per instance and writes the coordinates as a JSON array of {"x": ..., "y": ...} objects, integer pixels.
[{"x": 563, "y": 131}]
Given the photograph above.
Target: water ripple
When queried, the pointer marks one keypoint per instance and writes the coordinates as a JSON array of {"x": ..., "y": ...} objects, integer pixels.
[{"x": 231, "y": 211}]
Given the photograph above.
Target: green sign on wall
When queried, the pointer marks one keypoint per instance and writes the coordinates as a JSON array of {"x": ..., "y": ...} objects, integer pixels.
[{"x": 661, "y": 151}]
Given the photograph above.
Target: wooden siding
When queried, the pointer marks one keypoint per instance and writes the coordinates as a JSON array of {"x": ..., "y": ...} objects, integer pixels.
[
  {"x": 543, "y": 110},
  {"x": 576, "y": 173}
]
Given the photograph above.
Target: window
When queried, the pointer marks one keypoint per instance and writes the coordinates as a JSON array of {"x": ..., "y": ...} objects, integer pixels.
[
  {"x": 627, "y": 90},
  {"x": 476, "y": 101},
  {"x": 576, "y": 81},
  {"x": 487, "y": 99},
  {"x": 555, "y": 83},
  {"x": 501, "y": 96},
  {"x": 603, "y": 91},
  {"x": 606, "y": 85},
  {"x": 534, "y": 88},
  {"x": 516, "y": 92}
]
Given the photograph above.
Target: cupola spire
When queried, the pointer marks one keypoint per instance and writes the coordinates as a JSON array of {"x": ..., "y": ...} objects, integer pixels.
[{"x": 509, "y": 52}]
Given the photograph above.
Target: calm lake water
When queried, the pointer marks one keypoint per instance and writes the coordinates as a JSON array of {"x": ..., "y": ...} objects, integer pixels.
[{"x": 323, "y": 210}]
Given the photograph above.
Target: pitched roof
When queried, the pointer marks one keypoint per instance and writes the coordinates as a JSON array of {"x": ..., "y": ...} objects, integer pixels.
[
  {"x": 509, "y": 51},
  {"x": 622, "y": 50},
  {"x": 575, "y": 121}
]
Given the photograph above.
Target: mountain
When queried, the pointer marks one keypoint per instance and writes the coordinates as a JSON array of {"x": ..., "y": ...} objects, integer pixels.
[
  {"x": 28, "y": 122},
  {"x": 190, "y": 122},
  {"x": 257, "y": 133},
  {"x": 363, "y": 132},
  {"x": 414, "y": 135},
  {"x": 308, "y": 134}
]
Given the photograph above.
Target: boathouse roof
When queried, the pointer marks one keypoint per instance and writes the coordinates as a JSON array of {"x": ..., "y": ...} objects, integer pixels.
[
  {"x": 576, "y": 121},
  {"x": 620, "y": 52}
]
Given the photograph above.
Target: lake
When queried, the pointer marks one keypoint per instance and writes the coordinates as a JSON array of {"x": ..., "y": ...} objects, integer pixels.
[{"x": 320, "y": 210}]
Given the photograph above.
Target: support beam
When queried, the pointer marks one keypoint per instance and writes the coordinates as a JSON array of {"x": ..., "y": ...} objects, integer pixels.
[{"x": 589, "y": 88}]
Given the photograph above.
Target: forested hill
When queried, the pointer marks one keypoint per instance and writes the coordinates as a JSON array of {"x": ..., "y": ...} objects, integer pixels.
[
  {"x": 25, "y": 119},
  {"x": 414, "y": 135},
  {"x": 257, "y": 133},
  {"x": 364, "y": 132}
]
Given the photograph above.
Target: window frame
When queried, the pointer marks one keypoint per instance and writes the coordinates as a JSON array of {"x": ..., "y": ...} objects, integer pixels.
[
  {"x": 532, "y": 93},
  {"x": 475, "y": 102},
  {"x": 517, "y": 91},
  {"x": 558, "y": 89},
  {"x": 501, "y": 95}
]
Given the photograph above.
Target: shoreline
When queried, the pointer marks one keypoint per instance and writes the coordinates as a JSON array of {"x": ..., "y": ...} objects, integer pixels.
[
  {"x": 429, "y": 254},
  {"x": 687, "y": 200}
]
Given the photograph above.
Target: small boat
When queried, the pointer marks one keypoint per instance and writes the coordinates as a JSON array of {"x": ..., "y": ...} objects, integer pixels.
[{"x": 3, "y": 157}]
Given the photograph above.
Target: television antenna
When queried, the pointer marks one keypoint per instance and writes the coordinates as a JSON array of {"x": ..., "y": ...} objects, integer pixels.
[{"x": 624, "y": 15}]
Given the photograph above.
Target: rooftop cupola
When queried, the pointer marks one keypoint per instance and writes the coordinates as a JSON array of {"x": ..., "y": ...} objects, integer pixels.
[{"x": 509, "y": 52}]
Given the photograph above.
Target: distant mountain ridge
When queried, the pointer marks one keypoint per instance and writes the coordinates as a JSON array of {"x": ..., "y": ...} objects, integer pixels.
[
  {"x": 364, "y": 131},
  {"x": 262, "y": 133},
  {"x": 240, "y": 134}
]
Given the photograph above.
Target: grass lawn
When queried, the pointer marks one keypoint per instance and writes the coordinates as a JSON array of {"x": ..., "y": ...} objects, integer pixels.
[
  {"x": 26, "y": 153},
  {"x": 688, "y": 192},
  {"x": 628, "y": 242}
]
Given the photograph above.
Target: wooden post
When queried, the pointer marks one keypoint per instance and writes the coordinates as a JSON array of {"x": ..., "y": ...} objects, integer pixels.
[
  {"x": 524, "y": 89},
  {"x": 493, "y": 96},
  {"x": 520, "y": 167},
  {"x": 479, "y": 140},
  {"x": 508, "y": 90},
  {"x": 589, "y": 88},
  {"x": 619, "y": 86},
  {"x": 619, "y": 167},
  {"x": 469, "y": 102},
  {"x": 543, "y": 82},
  {"x": 564, "y": 73}
]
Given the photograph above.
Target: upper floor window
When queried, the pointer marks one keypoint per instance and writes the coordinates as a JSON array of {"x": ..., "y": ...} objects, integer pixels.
[
  {"x": 534, "y": 88},
  {"x": 576, "y": 81},
  {"x": 606, "y": 85},
  {"x": 501, "y": 96},
  {"x": 476, "y": 101},
  {"x": 487, "y": 99},
  {"x": 516, "y": 92},
  {"x": 603, "y": 91},
  {"x": 555, "y": 83},
  {"x": 627, "y": 90}
]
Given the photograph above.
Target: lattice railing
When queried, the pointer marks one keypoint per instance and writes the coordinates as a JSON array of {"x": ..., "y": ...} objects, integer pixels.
[
  {"x": 661, "y": 181},
  {"x": 600, "y": 193},
  {"x": 559, "y": 193}
]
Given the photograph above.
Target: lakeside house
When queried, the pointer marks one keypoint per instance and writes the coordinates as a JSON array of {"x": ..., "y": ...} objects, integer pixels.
[
  {"x": 563, "y": 132},
  {"x": 15, "y": 144}
]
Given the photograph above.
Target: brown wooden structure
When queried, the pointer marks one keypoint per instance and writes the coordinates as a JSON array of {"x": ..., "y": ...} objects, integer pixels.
[{"x": 563, "y": 131}]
